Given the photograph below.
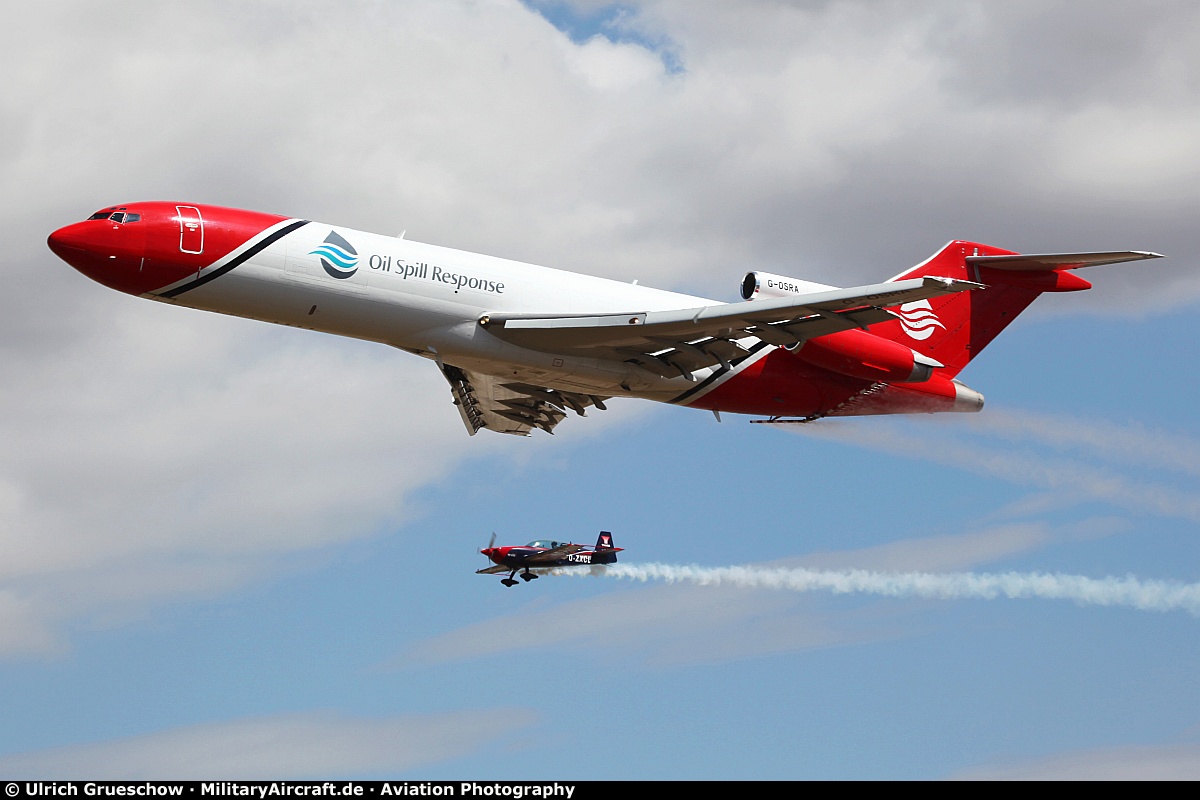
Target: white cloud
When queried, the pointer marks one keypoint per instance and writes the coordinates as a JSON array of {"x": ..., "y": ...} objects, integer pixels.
[
  {"x": 661, "y": 626},
  {"x": 22, "y": 631},
  {"x": 935, "y": 553},
  {"x": 796, "y": 137},
  {"x": 1074, "y": 478},
  {"x": 1129, "y": 444},
  {"x": 179, "y": 454},
  {"x": 296, "y": 746},
  {"x": 1168, "y": 762},
  {"x": 608, "y": 66}
]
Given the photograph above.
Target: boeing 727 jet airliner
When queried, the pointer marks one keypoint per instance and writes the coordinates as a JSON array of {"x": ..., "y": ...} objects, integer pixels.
[{"x": 521, "y": 345}]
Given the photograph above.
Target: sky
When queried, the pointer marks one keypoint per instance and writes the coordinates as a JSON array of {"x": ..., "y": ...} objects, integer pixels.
[{"x": 230, "y": 549}]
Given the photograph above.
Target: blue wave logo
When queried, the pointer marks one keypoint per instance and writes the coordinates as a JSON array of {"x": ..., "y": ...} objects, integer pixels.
[{"x": 338, "y": 257}]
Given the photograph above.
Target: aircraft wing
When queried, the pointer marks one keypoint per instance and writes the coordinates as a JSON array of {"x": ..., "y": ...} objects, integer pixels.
[
  {"x": 678, "y": 342},
  {"x": 496, "y": 570},
  {"x": 485, "y": 401},
  {"x": 555, "y": 553}
]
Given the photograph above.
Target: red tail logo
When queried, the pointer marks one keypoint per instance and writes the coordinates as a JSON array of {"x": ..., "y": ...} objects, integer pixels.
[
  {"x": 955, "y": 328},
  {"x": 918, "y": 319}
]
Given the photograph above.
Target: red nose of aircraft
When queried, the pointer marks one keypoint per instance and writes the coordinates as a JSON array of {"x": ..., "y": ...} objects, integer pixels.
[
  {"x": 140, "y": 248},
  {"x": 108, "y": 251},
  {"x": 76, "y": 244}
]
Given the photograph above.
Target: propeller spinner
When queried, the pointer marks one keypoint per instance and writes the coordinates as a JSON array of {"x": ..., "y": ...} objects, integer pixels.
[{"x": 491, "y": 546}]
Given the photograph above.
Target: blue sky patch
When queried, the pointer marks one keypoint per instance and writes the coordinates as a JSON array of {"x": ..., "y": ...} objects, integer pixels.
[{"x": 616, "y": 22}]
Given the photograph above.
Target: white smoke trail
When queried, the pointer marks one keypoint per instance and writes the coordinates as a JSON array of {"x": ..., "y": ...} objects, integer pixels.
[{"x": 1128, "y": 592}]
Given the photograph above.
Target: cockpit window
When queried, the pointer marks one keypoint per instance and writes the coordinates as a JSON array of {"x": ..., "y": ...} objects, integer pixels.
[{"x": 116, "y": 216}]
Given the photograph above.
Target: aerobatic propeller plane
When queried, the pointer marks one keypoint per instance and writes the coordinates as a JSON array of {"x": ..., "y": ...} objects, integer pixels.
[
  {"x": 544, "y": 554},
  {"x": 523, "y": 345}
]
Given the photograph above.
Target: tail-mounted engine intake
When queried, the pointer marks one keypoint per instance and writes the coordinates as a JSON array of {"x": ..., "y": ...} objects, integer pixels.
[
  {"x": 763, "y": 285},
  {"x": 855, "y": 353}
]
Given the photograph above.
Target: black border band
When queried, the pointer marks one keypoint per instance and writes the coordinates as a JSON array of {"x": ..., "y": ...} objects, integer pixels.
[
  {"x": 719, "y": 374},
  {"x": 241, "y": 259}
]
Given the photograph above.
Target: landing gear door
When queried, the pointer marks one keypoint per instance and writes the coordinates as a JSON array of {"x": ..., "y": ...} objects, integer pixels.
[{"x": 191, "y": 229}]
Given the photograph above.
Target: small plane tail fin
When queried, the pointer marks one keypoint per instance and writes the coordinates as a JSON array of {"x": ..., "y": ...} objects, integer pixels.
[
  {"x": 954, "y": 328},
  {"x": 605, "y": 552}
]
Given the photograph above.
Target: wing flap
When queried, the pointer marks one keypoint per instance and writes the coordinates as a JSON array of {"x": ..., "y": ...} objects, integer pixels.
[{"x": 515, "y": 408}]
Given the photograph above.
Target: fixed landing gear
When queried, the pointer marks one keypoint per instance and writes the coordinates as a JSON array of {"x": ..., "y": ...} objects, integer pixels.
[{"x": 526, "y": 576}]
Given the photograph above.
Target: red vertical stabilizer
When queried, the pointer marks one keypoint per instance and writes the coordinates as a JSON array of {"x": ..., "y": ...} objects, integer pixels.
[{"x": 955, "y": 328}]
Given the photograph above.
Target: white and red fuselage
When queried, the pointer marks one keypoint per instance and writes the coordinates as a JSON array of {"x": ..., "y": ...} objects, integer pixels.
[{"x": 430, "y": 301}]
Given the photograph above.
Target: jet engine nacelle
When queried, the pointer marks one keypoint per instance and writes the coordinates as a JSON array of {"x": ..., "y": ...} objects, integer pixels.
[
  {"x": 766, "y": 285},
  {"x": 863, "y": 355}
]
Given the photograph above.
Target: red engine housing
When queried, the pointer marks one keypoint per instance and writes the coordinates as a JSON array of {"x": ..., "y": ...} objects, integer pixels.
[{"x": 863, "y": 355}]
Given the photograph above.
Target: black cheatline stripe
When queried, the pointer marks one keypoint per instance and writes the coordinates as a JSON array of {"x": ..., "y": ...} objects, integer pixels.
[
  {"x": 719, "y": 373},
  {"x": 253, "y": 251}
]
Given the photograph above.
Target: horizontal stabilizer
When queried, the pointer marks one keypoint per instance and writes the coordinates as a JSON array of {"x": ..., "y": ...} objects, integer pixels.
[{"x": 1029, "y": 262}]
